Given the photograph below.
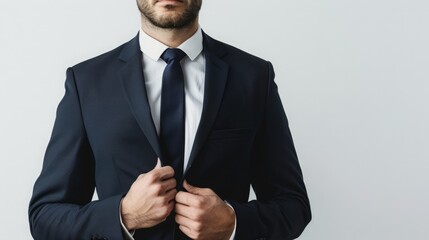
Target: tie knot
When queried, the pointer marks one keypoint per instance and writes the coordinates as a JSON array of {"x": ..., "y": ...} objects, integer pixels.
[{"x": 172, "y": 54}]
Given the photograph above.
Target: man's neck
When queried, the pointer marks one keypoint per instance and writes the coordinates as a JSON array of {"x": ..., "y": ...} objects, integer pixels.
[{"x": 170, "y": 37}]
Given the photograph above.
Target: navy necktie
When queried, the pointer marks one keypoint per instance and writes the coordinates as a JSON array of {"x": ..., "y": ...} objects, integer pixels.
[{"x": 172, "y": 130}]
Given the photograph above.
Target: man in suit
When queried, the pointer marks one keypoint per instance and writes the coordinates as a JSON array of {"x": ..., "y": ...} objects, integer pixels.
[{"x": 171, "y": 129}]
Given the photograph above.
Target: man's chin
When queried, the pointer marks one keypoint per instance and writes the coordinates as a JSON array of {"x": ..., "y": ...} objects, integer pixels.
[
  {"x": 170, "y": 25},
  {"x": 170, "y": 21}
]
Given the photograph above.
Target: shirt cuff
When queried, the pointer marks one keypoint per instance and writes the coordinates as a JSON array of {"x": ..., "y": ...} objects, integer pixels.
[
  {"x": 128, "y": 235},
  {"x": 235, "y": 222}
]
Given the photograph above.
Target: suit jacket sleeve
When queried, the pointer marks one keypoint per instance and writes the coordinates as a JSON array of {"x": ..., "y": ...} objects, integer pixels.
[
  {"x": 61, "y": 206},
  {"x": 282, "y": 208}
]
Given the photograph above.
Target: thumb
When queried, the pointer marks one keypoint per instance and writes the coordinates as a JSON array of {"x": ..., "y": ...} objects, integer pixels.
[
  {"x": 196, "y": 190},
  {"x": 158, "y": 164}
]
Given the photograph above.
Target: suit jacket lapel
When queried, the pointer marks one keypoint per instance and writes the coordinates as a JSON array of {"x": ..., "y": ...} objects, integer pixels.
[
  {"x": 134, "y": 86},
  {"x": 215, "y": 80}
]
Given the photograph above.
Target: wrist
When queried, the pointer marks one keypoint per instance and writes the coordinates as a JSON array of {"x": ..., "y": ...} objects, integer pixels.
[
  {"x": 231, "y": 219},
  {"x": 128, "y": 218}
]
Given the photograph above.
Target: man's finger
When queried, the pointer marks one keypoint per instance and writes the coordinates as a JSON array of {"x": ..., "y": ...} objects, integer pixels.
[
  {"x": 185, "y": 211},
  {"x": 171, "y": 195},
  {"x": 169, "y": 184},
  {"x": 164, "y": 173},
  {"x": 187, "y": 199},
  {"x": 197, "y": 190},
  {"x": 184, "y": 221},
  {"x": 187, "y": 231}
]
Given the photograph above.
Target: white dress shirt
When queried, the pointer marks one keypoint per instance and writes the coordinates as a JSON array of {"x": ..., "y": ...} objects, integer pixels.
[{"x": 193, "y": 67}]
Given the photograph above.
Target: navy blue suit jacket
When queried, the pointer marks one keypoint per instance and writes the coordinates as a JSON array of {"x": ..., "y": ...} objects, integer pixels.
[{"x": 104, "y": 137}]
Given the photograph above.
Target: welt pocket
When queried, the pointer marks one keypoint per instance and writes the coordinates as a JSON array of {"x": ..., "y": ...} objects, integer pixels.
[{"x": 229, "y": 133}]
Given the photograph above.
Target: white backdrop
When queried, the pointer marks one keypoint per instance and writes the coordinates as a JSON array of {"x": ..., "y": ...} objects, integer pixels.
[{"x": 353, "y": 76}]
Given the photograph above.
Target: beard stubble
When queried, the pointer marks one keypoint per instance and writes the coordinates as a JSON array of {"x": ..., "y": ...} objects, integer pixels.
[{"x": 175, "y": 21}]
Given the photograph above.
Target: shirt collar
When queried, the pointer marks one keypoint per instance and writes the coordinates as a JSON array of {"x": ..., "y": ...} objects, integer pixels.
[{"x": 153, "y": 48}]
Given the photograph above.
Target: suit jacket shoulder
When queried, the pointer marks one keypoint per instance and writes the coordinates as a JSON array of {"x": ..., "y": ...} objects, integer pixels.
[
  {"x": 107, "y": 60},
  {"x": 233, "y": 52}
]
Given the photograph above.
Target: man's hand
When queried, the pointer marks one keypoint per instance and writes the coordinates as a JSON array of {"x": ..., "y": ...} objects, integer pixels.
[
  {"x": 150, "y": 199},
  {"x": 201, "y": 214}
]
